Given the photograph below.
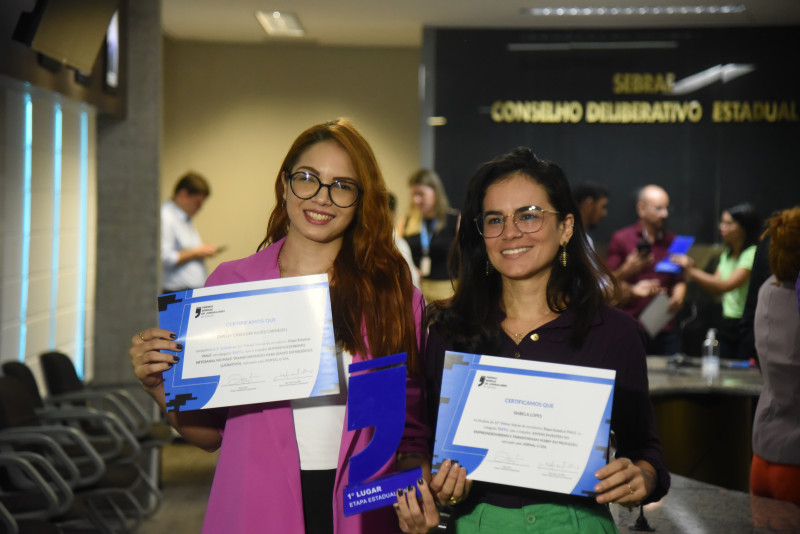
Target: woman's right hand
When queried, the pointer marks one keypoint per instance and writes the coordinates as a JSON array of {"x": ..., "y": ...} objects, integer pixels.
[
  {"x": 416, "y": 515},
  {"x": 450, "y": 484},
  {"x": 147, "y": 360}
]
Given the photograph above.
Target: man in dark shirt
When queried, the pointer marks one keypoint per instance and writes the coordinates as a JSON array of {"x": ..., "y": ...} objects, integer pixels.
[{"x": 632, "y": 255}]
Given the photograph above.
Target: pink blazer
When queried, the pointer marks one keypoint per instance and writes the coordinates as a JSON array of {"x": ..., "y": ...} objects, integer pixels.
[{"x": 256, "y": 485}]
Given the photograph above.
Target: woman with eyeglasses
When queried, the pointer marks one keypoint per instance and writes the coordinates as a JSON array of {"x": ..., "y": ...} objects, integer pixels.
[
  {"x": 739, "y": 227},
  {"x": 529, "y": 286},
  {"x": 283, "y": 465}
]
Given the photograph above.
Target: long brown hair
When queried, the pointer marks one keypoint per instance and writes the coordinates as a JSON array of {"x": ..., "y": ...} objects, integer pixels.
[{"x": 371, "y": 289}]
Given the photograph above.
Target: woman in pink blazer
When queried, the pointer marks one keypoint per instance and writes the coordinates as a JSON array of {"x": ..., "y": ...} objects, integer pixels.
[{"x": 283, "y": 465}]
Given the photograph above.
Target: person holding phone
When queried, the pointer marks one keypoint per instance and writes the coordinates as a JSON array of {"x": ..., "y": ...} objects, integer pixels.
[
  {"x": 632, "y": 255},
  {"x": 739, "y": 228},
  {"x": 183, "y": 253}
]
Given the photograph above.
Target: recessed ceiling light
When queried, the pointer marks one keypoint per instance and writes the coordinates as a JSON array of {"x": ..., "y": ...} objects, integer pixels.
[
  {"x": 280, "y": 24},
  {"x": 644, "y": 10}
]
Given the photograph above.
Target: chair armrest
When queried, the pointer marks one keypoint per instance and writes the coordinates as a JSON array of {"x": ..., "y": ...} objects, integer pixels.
[
  {"x": 51, "y": 440},
  {"x": 107, "y": 424},
  {"x": 48, "y": 483},
  {"x": 105, "y": 401}
]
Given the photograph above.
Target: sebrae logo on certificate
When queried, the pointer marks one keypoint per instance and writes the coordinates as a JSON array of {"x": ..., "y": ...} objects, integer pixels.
[{"x": 521, "y": 423}]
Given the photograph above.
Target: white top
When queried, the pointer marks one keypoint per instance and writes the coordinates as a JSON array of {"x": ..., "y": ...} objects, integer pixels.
[
  {"x": 178, "y": 233},
  {"x": 405, "y": 250},
  {"x": 319, "y": 421}
]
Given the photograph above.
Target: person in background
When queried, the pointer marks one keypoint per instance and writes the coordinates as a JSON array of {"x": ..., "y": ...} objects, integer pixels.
[
  {"x": 592, "y": 201},
  {"x": 775, "y": 470},
  {"x": 283, "y": 465},
  {"x": 758, "y": 275},
  {"x": 739, "y": 227},
  {"x": 183, "y": 253},
  {"x": 430, "y": 230},
  {"x": 632, "y": 255},
  {"x": 402, "y": 244},
  {"x": 528, "y": 286}
]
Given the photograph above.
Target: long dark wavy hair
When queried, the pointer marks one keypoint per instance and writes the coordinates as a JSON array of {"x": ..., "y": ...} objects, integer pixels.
[
  {"x": 371, "y": 289},
  {"x": 470, "y": 317}
]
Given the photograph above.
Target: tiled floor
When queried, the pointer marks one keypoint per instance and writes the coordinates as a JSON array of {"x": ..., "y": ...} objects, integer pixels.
[{"x": 187, "y": 474}]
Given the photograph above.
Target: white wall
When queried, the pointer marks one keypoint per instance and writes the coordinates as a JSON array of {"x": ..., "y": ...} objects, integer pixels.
[
  {"x": 232, "y": 111},
  {"x": 48, "y": 225}
]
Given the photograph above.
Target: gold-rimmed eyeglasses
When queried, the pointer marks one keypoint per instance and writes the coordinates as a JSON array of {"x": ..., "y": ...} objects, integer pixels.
[{"x": 528, "y": 220}]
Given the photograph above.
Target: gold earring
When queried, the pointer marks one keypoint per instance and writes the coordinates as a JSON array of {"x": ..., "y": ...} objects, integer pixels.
[{"x": 562, "y": 256}]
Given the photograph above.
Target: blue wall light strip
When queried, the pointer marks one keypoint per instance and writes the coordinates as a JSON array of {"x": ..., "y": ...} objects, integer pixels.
[
  {"x": 57, "y": 159},
  {"x": 26, "y": 226},
  {"x": 83, "y": 238}
]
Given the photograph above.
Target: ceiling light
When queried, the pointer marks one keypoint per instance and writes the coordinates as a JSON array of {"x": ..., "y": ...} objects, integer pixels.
[
  {"x": 646, "y": 10},
  {"x": 280, "y": 24}
]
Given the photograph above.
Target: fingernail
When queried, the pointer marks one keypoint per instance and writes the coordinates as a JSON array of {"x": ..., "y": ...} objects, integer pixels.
[
  {"x": 420, "y": 482},
  {"x": 173, "y": 336},
  {"x": 446, "y": 463},
  {"x": 178, "y": 347},
  {"x": 176, "y": 359},
  {"x": 400, "y": 492},
  {"x": 410, "y": 489},
  {"x": 597, "y": 488},
  {"x": 170, "y": 365}
]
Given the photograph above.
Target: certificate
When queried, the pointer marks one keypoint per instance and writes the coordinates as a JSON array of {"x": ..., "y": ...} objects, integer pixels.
[
  {"x": 529, "y": 424},
  {"x": 249, "y": 343}
]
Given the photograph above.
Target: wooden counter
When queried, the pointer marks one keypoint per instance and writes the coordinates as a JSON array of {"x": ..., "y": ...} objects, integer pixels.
[{"x": 705, "y": 429}]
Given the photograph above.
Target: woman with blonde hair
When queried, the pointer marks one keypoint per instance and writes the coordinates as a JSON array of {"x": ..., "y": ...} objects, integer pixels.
[
  {"x": 429, "y": 231},
  {"x": 285, "y": 464},
  {"x": 775, "y": 470}
]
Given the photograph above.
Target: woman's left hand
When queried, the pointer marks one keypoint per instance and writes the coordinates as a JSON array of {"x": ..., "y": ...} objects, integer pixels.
[{"x": 625, "y": 482}]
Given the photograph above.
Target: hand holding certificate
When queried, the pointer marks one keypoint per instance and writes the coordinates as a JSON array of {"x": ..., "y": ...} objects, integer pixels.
[
  {"x": 252, "y": 342},
  {"x": 529, "y": 424}
]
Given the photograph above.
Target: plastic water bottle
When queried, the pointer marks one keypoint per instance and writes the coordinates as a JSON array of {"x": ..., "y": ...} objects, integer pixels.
[{"x": 710, "y": 360}]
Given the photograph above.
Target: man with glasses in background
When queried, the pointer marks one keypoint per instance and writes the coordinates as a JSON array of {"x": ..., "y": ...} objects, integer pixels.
[{"x": 633, "y": 253}]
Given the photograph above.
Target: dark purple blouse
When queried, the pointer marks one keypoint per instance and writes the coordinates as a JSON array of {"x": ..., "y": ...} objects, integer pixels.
[{"x": 614, "y": 341}]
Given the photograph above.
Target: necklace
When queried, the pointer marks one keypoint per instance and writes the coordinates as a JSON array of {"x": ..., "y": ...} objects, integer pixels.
[{"x": 518, "y": 337}]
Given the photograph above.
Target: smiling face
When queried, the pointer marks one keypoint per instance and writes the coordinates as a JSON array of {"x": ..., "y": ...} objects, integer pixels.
[
  {"x": 516, "y": 255},
  {"x": 317, "y": 218}
]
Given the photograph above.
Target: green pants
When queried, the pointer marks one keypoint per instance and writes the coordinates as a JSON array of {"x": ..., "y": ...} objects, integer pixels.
[{"x": 537, "y": 518}]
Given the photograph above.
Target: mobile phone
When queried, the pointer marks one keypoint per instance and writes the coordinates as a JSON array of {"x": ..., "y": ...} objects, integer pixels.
[{"x": 644, "y": 247}]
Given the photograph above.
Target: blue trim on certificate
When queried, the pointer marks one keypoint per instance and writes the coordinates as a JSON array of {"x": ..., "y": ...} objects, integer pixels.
[
  {"x": 459, "y": 375},
  {"x": 175, "y": 309}
]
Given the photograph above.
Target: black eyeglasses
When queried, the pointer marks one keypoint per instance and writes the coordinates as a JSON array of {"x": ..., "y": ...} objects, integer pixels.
[
  {"x": 343, "y": 193},
  {"x": 528, "y": 220}
]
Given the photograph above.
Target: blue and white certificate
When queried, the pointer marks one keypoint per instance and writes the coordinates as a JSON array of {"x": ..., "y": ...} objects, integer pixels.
[
  {"x": 521, "y": 423},
  {"x": 249, "y": 343}
]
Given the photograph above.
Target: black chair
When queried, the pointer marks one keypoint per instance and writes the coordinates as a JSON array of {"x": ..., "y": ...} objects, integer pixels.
[
  {"x": 116, "y": 494},
  {"x": 32, "y": 493},
  {"x": 64, "y": 386}
]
